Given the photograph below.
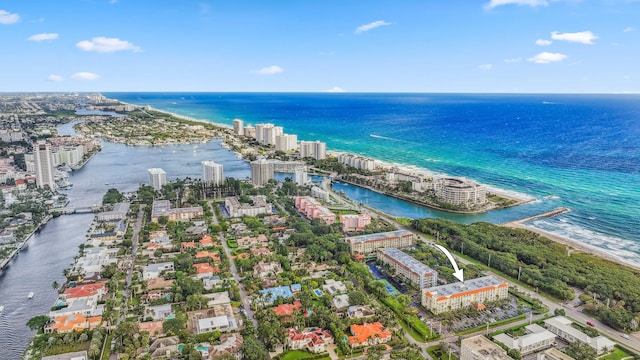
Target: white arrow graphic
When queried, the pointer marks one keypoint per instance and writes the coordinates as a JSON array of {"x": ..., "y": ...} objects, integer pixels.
[{"x": 458, "y": 273}]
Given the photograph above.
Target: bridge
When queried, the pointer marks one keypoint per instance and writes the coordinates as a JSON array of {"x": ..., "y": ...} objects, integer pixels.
[{"x": 76, "y": 210}]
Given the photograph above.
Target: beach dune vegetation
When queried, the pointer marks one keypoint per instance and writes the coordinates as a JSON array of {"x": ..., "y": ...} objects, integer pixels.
[{"x": 547, "y": 266}]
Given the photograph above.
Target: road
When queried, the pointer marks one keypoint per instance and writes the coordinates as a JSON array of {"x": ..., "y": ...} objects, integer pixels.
[
  {"x": 571, "y": 312},
  {"x": 244, "y": 298},
  {"x": 131, "y": 262}
]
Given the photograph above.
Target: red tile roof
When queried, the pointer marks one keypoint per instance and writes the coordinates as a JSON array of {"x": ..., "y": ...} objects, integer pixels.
[{"x": 362, "y": 333}]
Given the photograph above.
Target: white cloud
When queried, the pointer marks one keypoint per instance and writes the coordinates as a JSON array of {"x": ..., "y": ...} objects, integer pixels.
[
  {"x": 485, "y": 67},
  {"x": 629, "y": 29},
  {"x": 85, "y": 76},
  {"x": 512, "y": 60},
  {"x": 270, "y": 70},
  {"x": 547, "y": 58},
  {"x": 103, "y": 44},
  {"x": 54, "y": 77},
  {"x": 7, "y": 18},
  {"x": 583, "y": 37},
  {"x": 366, "y": 27},
  {"x": 533, "y": 3},
  {"x": 42, "y": 37},
  {"x": 113, "y": 2},
  {"x": 336, "y": 89},
  {"x": 543, "y": 42}
]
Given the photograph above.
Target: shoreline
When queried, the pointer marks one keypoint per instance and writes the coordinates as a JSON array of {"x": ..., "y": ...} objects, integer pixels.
[
  {"x": 521, "y": 198},
  {"x": 575, "y": 245}
]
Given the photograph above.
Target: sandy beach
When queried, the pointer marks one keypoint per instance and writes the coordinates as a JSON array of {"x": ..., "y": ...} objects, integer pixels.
[{"x": 576, "y": 245}]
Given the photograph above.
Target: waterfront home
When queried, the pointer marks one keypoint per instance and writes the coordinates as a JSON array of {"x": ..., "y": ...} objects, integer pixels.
[{"x": 74, "y": 322}]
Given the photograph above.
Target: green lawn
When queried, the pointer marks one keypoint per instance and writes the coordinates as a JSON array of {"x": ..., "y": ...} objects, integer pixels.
[
  {"x": 617, "y": 354},
  {"x": 437, "y": 354},
  {"x": 300, "y": 355}
]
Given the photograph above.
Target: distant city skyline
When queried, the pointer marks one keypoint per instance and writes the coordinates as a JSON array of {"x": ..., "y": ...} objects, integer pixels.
[{"x": 492, "y": 46}]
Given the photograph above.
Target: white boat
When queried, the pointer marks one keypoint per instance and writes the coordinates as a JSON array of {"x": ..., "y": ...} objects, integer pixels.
[
  {"x": 30, "y": 296},
  {"x": 1, "y": 309}
]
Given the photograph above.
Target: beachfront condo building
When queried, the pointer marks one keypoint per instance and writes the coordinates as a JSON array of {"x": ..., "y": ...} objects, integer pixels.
[
  {"x": 459, "y": 295},
  {"x": 212, "y": 173},
  {"x": 238, "y": 128},
  {"x": 408, "y": 268},
  {"x": 261, "y": 172},
  {"x": 43, "y": 165},
  {"x": 286, "y": 142},
  {"x": 313, "y": 149},
  {"x": 358, "y": 162},
  {"x": 157, "y": 178},
  {"x": 313, "y": 209},
  {"x": 480, "y": 348},
  {"x": 249, "y": 131},
  {"x": 367, "y": 244},
  {"x": 456, "y": 191},
  {"x": 266, "y": 133}
]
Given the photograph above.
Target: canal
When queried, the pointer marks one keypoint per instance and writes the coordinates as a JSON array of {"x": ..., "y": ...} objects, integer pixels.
[{"x": 53, "y": 249}]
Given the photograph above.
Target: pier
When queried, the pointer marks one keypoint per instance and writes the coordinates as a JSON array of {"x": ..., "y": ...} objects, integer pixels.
[{"x": 547, "y": 214}]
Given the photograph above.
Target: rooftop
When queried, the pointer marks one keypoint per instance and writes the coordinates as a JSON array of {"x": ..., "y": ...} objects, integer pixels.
[
  {"x": 378, "y": 236},
  {"x": 460, "y": 288},
  {"x": 407, "y": 261}
]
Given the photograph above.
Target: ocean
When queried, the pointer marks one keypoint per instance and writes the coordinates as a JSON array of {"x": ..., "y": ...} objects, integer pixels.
[{"x": 578, "y": 151}]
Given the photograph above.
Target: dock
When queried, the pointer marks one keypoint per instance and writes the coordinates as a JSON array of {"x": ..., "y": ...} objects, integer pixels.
[{"x": 547, "y": 214}]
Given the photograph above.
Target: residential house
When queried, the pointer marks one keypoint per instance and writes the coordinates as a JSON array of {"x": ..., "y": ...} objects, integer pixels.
[
  {"x": 368, "y": 334},
  {"x": 312, "y": 339}
]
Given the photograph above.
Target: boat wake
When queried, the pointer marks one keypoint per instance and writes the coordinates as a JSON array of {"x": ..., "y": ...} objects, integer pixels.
[{"x": 384, "y": 137}]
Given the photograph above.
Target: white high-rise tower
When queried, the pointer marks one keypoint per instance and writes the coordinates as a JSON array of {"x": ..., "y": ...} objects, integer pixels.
[
  {"x": 212, "y": 173},
  {"x": 157, "y": 178},
  {"x": 44, "y": 165}
]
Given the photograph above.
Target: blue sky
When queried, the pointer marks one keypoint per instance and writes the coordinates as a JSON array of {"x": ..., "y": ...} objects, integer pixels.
[{"x": 552, "y": 46}]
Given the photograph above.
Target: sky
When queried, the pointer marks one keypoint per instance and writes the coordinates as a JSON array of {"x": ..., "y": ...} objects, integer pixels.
[{"x": 453, "y": 46}]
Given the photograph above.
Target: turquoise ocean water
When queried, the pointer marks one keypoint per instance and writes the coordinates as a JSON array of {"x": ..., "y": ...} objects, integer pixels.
[{"x": 578, "y": 151}]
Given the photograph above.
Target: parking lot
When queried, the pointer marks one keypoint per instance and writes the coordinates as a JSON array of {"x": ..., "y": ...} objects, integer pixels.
[{"x": 493, "y": 313}]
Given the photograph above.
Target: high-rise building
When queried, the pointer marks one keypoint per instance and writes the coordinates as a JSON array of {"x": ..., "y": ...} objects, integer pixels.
[
  {"x": 261, "y": 172},
  {"x": 212, "y": 173},
  {"x": 237, "y": 127},
  {"x": 313, "y": 149},
  {"x": 286, "y": 142},
  {"x": 43, "y": 165},
  {"x": 260, "y": 132},
  {"x": 300, "y": 175},
  {"x": 157, "y": 178},
  {"x": 250, "y": 131}
]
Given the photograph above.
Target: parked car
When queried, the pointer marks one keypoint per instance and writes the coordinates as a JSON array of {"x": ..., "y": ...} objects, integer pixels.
[
  {"x": 591, "y": 324},
  {"x": 625, "y": 336}
]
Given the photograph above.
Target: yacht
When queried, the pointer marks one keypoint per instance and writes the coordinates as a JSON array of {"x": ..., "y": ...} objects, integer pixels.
[
  {"x": 1, "y": 309},
  {"x": 30, "y": 296}
]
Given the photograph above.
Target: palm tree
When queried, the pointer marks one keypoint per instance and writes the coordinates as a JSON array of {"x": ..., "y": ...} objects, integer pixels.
[{"x": 55, "y": 285}]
